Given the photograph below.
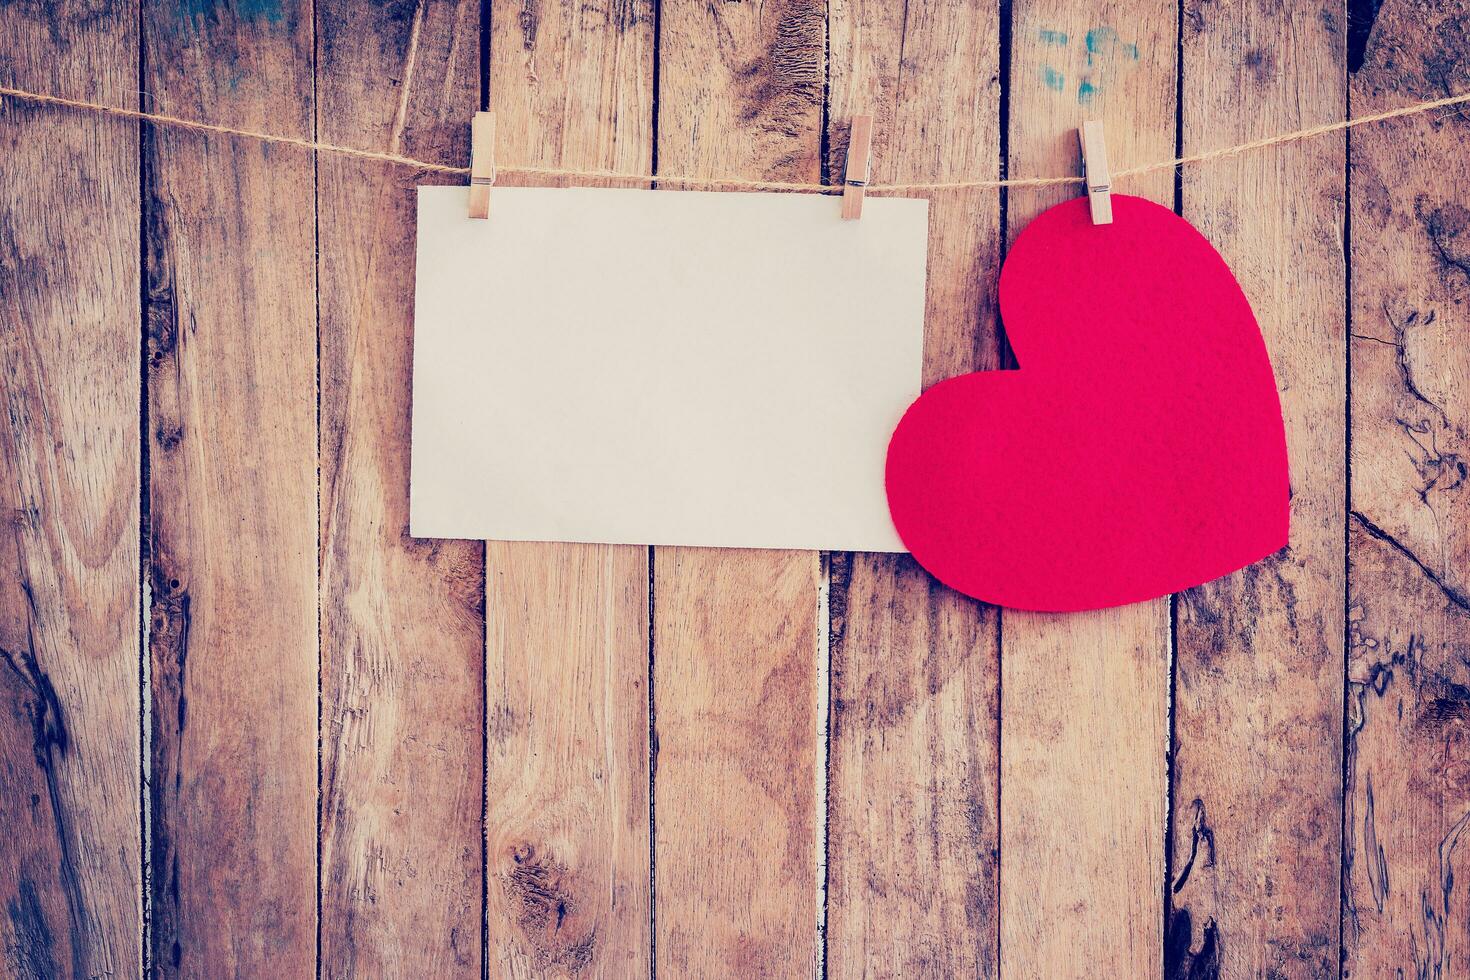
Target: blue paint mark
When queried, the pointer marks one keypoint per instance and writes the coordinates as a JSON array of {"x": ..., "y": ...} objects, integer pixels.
[
  {"x": 199, "y": 12},
  {"x": 1106, "y": 56},
  {"x": 1059, "y": 38},
  {"x": 1099, "y": 36},
  {"x": 268, "y": 9},
  {"x": 1105, "y": 42},
  {"x": 1095, "y": 40},
  {"x": 1054, "y": 79},
  {"x": 261, "y": 9}
]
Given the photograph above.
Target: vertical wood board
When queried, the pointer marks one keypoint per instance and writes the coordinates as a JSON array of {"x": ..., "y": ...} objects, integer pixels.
[
  {"x": 402, "y": 766},
  {"x": 567, "y": 744},
  {"x": 70, "y": 592},
  {"x": 1258, "y": 707},
  {"x": 735, "y": 632},
  {"x": 913, "y": 829},
  {"x": 231, "y": 423},
  {"x": 1407, "y": 799},
  {"x": 1084, "y": 706}
]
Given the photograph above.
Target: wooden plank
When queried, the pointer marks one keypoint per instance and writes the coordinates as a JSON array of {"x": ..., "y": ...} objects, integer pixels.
[
  {"x": 232, "y": 377},
  {"x": 913, "y": 829},
  {"x": 568, "y": 760},
  {"x": 1084, "y": 709},
  {"x": 1259, "y": 654},
  {"x": 402, "y": 756},
  {"x": 70, "y": 867},
  {"x": 735, "y": 632},
  {"x": 735, "y": 703},
  {"x": 567, "y": 625},
  {"x": 1407, "y": 798}
]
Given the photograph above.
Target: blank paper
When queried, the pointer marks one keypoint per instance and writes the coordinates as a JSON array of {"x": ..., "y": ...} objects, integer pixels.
[{"x": 659, "y": 367}]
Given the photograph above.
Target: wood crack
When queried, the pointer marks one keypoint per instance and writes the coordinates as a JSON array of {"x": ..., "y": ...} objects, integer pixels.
[{"x": 1456, "y": 596}]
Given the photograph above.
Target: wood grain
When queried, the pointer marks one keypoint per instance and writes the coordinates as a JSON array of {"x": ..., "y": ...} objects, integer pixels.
[
  {"x": 568, "y": 760},
  {"x": 913, "y": 829},
  {"x": 231, "y": 423},
  {"x": 567, "y": 625},
  {"x": 735, "y": 632},
  {"x": 1408, "y": 727},
  {"x": 70, "y": 594},
  {"x": 1258, "y": 705},
  {"x": 735, "y": 789},
  {"x": 255, "y": 542},
  {"x": 402, "y": 762},
  {"x": 1084, "y": 710}
]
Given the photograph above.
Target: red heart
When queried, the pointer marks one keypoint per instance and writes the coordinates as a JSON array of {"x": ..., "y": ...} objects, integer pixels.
[{"x": 1138, "y": 450}]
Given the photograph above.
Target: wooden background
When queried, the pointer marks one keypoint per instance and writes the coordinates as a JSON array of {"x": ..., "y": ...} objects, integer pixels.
[{"x": 249, "y": 727}]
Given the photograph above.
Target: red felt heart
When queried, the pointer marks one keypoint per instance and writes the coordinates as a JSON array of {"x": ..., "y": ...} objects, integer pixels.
[{"x": 1138, "y": 450}]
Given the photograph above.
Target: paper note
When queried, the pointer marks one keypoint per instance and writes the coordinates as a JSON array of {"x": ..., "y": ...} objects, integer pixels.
[{"x": 661, "y": 367}]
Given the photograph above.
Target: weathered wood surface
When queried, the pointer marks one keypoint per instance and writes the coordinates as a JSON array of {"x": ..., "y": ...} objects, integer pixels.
[
  {"x": 1084, "y": 703},
  {"x": 370, "y": 755},
  {"x": 568, "y": 824},
  {"x": 1257, "y": 783},
  {"x": 402, "y": 629},
  {"x": 566, "y": 671},
  {"x": 913, "y": 835},
  {"x": 70, "y": 824},
  {"x": 1408, "y": 726},
  {"x": 736, "y": 633},
  {"x": 231, "y": 424}
]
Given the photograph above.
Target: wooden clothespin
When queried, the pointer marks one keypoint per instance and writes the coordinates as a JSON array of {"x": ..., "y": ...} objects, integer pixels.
[
  {"x": 1095, "y": 173},
  {"x": 859, "y": 166},
  {"x": 482, "y": 163}
]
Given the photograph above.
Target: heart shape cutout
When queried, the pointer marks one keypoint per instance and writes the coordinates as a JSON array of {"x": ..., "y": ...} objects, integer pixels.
[{"x": 1137, "y": 451}]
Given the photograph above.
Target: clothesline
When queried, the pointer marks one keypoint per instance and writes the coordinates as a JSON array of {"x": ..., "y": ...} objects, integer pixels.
[{"x": 177, "y": 122}]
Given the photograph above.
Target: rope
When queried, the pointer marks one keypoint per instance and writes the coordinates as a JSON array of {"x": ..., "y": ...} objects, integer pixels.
[{"x": 178, "y": 122}]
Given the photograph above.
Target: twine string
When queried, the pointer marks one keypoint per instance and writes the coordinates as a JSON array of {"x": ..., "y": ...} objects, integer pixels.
[{"x": 194, "y": 125}]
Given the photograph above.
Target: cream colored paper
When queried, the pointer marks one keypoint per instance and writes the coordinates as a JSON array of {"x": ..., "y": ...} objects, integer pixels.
[{"x": 654, "y": 367}]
